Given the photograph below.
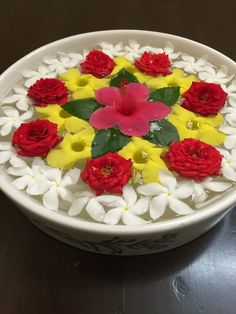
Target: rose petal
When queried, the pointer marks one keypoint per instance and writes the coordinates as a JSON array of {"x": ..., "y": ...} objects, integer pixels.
[{"x": 108, "y": 96}]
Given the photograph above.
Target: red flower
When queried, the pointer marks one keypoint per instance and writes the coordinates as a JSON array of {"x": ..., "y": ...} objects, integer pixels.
[
  {"x": 128, "y": 109},
  {"x": 98, "y": 64},
  {"x": 204, "y": 98},
  {"x": 108, "y": 173},
  {"x": 36, "y": 138},
  {"x": 193, "y": 159},
  {"x": 153, "y": 63},
  {"x": 48, "y": 91}
]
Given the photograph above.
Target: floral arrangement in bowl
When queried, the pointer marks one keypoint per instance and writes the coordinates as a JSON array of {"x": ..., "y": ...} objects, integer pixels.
[{"x": 121, "y": 133}]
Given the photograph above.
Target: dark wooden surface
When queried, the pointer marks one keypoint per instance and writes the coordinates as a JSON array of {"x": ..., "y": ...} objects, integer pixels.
[{"x": 39, "y": 275}]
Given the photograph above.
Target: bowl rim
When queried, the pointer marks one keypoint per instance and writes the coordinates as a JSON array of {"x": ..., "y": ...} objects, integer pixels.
[{"x": 31, "y": 205}]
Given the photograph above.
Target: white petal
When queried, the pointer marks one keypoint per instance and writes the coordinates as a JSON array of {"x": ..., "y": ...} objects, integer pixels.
[
  {"x": 129, "y": 194},
  {"x": 158, "y": 206},
  {"x": 4, "y": 156},
  {"x": 179, "y": 207},
  {"x": 151, "y": 189},
  {"x": 21, "y": 183},
  {"x": 130, "y": 219},
  {"x": 228, "y": 172},
  {"x": 22, "y": 104},
  {"x": 28, "y": 74},
  {"x": 37, "y": 162},
  {"x": 30, "y": 81},
  {"x": 230, "y": 141},
  {"x": 16, "y": 161},
  {"x": 71, "y": 177},
  {"x": 11, "y": 99},
  {"x": 5, "y": 146},
  {"x": 95, "y": 210},
  {"x": 6, "y": 129},
  {"x": 141, "y": 206},
  {"x": 65, "y": 194},
  {"x": 50, "y": 199},
  {"x": 199, "y": 194},
  {"x": 27, "y": 115},
  {"x": 167, "y": 179},
  {"x": 21, "y": 171},
  {"x": 10, "y": 112},
  {"x": 218, "y": 186},
  {"x": 184, "y": 190},
  {"x": 111, "y": 200},
  {"x": 78, "y": 205},
  {"x": 38, "y": 187},
  {"x": 20, "y": 90},
  {"x": 113, "y": 216}
]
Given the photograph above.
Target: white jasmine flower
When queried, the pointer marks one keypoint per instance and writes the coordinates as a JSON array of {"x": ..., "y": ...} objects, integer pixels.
[
  {"x": 231, "y": 91},
  {"x": 64, "y": 61},
  {"x": 8, "y": 153},
  {"x": 112, "y": 50},
  {"x": 12, "y": 119},
  {"x": 134, "y": 50},
  {"x": 169, "y": 50},
  {"x": 32, "y": 76},
  {"x": 30, "y": 178},
  {"x": 80, "y": 200},
  {"x": 126, "y": 208},
  {"x": 58, "y": 186},
  {"x": 200, "y": 188},
  {"x": 168, "y": 193},
  {"x": 230, "y": 130},
  {"x": 211, "y": 75},
  {"x": 228, "y": 165},
  {"x": 19, "y": 98},
  {"x": 192, "y": 65}
]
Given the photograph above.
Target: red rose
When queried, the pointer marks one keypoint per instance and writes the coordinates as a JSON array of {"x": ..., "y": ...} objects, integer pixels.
[
  {"x": 108, "y": 173},
  {"x": 36, "y": 138},
  {"x": 193, "y": 159},
  {"x": 98, "y": 64},
  {"x": 153, "y": 63},
  {"x": 204, "y": 98},
  {"x": 48, "y": 91}
]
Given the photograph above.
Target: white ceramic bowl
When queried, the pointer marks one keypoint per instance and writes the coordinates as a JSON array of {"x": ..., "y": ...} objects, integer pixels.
[{"x": 119, "y": 239}]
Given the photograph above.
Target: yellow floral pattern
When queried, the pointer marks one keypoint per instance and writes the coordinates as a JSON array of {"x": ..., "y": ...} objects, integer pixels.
[
  {"x": 145, "y": 157},
  {"x": 74, "y": 148},
  {"x": 64, "y": 120},
  {"x": 191, "y": 125},
  {"x": 82, "y": 85},
  {"x": 177, "y": 78}
]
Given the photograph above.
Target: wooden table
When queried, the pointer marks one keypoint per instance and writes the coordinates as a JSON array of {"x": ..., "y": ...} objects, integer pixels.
[{"x": 39, "y": 275}]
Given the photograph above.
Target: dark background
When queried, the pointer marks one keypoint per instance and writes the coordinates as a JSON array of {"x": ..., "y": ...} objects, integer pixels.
[{"x": 39, "y": 275}]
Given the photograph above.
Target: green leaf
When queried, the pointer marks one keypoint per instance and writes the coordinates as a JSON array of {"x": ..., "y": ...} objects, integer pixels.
[
  {"x": 122, "y": 78},
  {"x": 82, "y": 108},
  {"x": 162, "y": 133},
  {"x": 109, "y": 140},
  {"x": 167, "y": 95}
]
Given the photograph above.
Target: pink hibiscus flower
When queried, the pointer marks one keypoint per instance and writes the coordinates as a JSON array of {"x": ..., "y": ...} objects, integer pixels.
[{"x": 127, "y": 108}]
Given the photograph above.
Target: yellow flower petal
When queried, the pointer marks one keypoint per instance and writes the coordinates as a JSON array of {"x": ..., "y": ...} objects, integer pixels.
[
  {"x": 74, "y": 148},
  {"x": 75, "y": 125},
  {"x": 83, "y": 93},
  {"x": 122, "y": 63},
  {"x": 210, "y": 135},
  {"x": 145, "y": 157},
  {"x": 191, "y": 125},
  {"x": 176, "y": 78},
  {"x": 55, "y": 114}
]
